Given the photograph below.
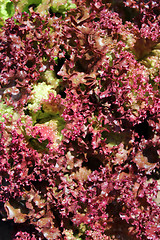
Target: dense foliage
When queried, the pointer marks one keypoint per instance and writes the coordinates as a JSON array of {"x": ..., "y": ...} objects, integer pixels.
[{"x": 80, "y": 119}]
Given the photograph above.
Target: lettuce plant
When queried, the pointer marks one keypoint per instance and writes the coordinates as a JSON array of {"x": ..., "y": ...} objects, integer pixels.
[
  {"x": 79, "y": 120},
  {"x": 6, "y": 10}
]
